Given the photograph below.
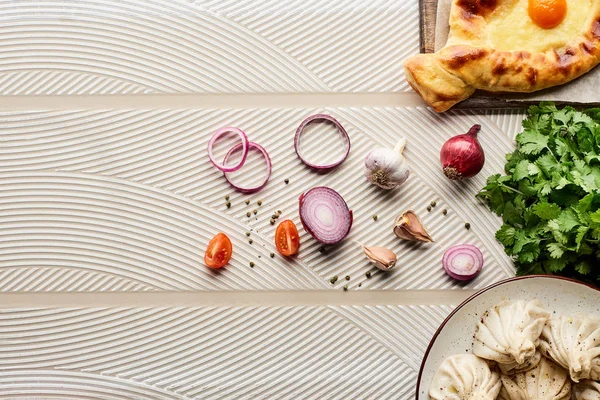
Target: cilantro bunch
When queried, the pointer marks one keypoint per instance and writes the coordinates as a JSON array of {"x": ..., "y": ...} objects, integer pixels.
[{"x": 549, "y": 199}]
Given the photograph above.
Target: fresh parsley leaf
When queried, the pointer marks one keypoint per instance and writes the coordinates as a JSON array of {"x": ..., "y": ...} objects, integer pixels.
[
  {"x": 583, "y": 267},
  {"x": 595, "y": 216},
  {"x": 555, "y": 265},
  {"x": 567, "y": 220},
  {"x": 521, "y": 170},
  {"x": 546, "y": 211},
  {"x": 506, "y": 235},
  {"x": 512, "y": 215},
  {"x": 581, "y": 232},
  {"x": 549, "y": 196},
  {"x": 556, "y": 250},
  {"x": 547, "y": 163},
  {"x": 532, "y": 142}
]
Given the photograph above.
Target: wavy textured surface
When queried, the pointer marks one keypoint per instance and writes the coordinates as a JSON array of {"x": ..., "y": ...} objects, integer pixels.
[
  {"x": 127, "y": 200},
  {"x": 509, "y": 121},
  {"x": 123, "y": 231},
  {"x": 76, "y": 47},
  {"x": 211, "y": 353}
]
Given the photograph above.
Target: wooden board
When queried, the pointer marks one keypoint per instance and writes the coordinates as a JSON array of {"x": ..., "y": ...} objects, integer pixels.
[
  {"x": 480, "y": 100},
  {"x": 428, "y": 10}
]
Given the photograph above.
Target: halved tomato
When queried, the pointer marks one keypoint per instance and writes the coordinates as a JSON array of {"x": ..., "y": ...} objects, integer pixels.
[
  {"x": 287, "y": 239},
  {"x": 218, "y": 252}
]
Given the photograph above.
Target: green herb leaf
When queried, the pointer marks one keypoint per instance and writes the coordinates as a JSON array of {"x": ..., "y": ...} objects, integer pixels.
[
  {"x": 556, "y": 250},
  {"x": 546, "y": 211},
  {"x": 549, "y": 197},
  {"x": 506, "y": 235},
  {"x": 532, "y": 142},
  {"x": 567, "y": 220}
]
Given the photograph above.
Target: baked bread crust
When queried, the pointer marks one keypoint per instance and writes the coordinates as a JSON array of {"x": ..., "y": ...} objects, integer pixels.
[{"x": 452, "y": 74}]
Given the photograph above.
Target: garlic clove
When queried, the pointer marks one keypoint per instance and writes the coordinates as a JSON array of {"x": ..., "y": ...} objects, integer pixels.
[
  {"x": 408, "y": 226},
  {"x": 383, "y": 258}
]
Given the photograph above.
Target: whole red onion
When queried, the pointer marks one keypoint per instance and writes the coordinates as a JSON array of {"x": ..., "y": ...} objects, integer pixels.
[{"x": 462, "y": 156}]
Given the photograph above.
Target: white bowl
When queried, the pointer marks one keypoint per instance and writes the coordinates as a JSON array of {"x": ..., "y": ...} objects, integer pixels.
[{"x": 455, "y": 335}]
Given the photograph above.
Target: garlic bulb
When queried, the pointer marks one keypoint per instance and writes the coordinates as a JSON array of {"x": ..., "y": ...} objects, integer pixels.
[{"x": 387, "y": 168}]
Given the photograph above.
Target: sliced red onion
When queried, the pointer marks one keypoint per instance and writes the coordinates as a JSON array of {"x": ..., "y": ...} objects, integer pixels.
[
  {"x": 341, "y": 130},
  {"x": 463, "y": 262},
  {"x": 325, "y": 215},
  {"x": 244, "y": 144},
  {"x": 256, "y": 146}
]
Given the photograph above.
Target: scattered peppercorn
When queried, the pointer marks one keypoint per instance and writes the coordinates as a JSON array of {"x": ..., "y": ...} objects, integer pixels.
[
  {"x": 467, "y": 226},
  {"x": 321, "y": 250},
  {"x": 247, "y": 202},
  {"x": 345, "y": 288},
  {"x": 368, "y": 274},
  {"x": 360, "y": 284},
  {"x": 433, "y": 204},
  {"x": 272, "y": 255},
  {"x": 375, "y": 217},
  {"x": 272, "y": 221},
  {"x": 347, "y": 277},
  {"x": 251, "y": 264},
  {"x": 428, "y": 208},
  {"x": 228, "y": 204},
  {"x": 227, "y": 197},
  {"x": 333, "y": 280},
  {"x": 250, "y": 241},
  {"x": 287, "y": 181},
  {"x": 248, "y": 214},
  {"x": 444, "y": 211},
  {"x": 259, "y": 203},
  {"x": 279, "y": 212},
  {"x": 247, "y": 233},
  {"x": 255, "y": 212}
]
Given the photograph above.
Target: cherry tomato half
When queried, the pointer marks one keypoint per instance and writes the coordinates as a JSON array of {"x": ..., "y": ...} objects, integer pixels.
[
  {"x": 287, "y": 239},
  {"x": 218, "y": 252}
]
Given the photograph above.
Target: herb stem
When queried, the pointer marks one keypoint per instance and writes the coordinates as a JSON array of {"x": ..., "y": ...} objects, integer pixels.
[{"x": 512, "y": 189}]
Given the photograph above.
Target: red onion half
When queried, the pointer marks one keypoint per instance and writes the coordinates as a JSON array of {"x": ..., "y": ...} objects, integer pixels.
[
  {"x": 462, "y": 156},
  {"x": 341, "y": 130},
  {"x": 463, "y": 262},
  {"x": 244, "y": 144},
  {"x": 251, "y": 146},
  {"x": 325, "y": 215}
]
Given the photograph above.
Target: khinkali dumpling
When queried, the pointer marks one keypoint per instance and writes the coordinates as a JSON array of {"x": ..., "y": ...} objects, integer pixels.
[
  {"x": 547, "y": 381},
  {"x": 509, "y": 332},
  {"x": 574, "y": 343},
  {"x": 465, "y": 377},
  {"x": 587, "y": 390},
  {"x": 514, "y": 368}
]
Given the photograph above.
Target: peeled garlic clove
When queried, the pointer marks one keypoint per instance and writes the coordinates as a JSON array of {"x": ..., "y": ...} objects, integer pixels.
[
  {"x": 409, "y": 227},
  {"x": 383, "y": 258}
]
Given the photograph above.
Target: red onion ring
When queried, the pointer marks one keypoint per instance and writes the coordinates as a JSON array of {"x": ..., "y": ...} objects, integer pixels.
[
  {"x": 341, "y": 130},
  {"x": 463, "y": 262},
  {"x": 325, "y": 215},
  {"x": 251, "y": 145},
  {"x": 244, "y": 144}
]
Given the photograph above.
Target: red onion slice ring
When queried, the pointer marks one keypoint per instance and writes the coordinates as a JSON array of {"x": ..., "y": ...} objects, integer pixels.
[
  {"x": 463, "y": 262},
  {"x": 325, "y": 215},
  {"x": 251, "y": 145},
  {"x": 220, "y": 132},
  {"x": 341, "y": 130}
]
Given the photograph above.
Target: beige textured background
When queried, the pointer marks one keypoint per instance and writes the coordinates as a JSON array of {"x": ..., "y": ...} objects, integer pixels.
[{"x": 107, "y": 201}]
